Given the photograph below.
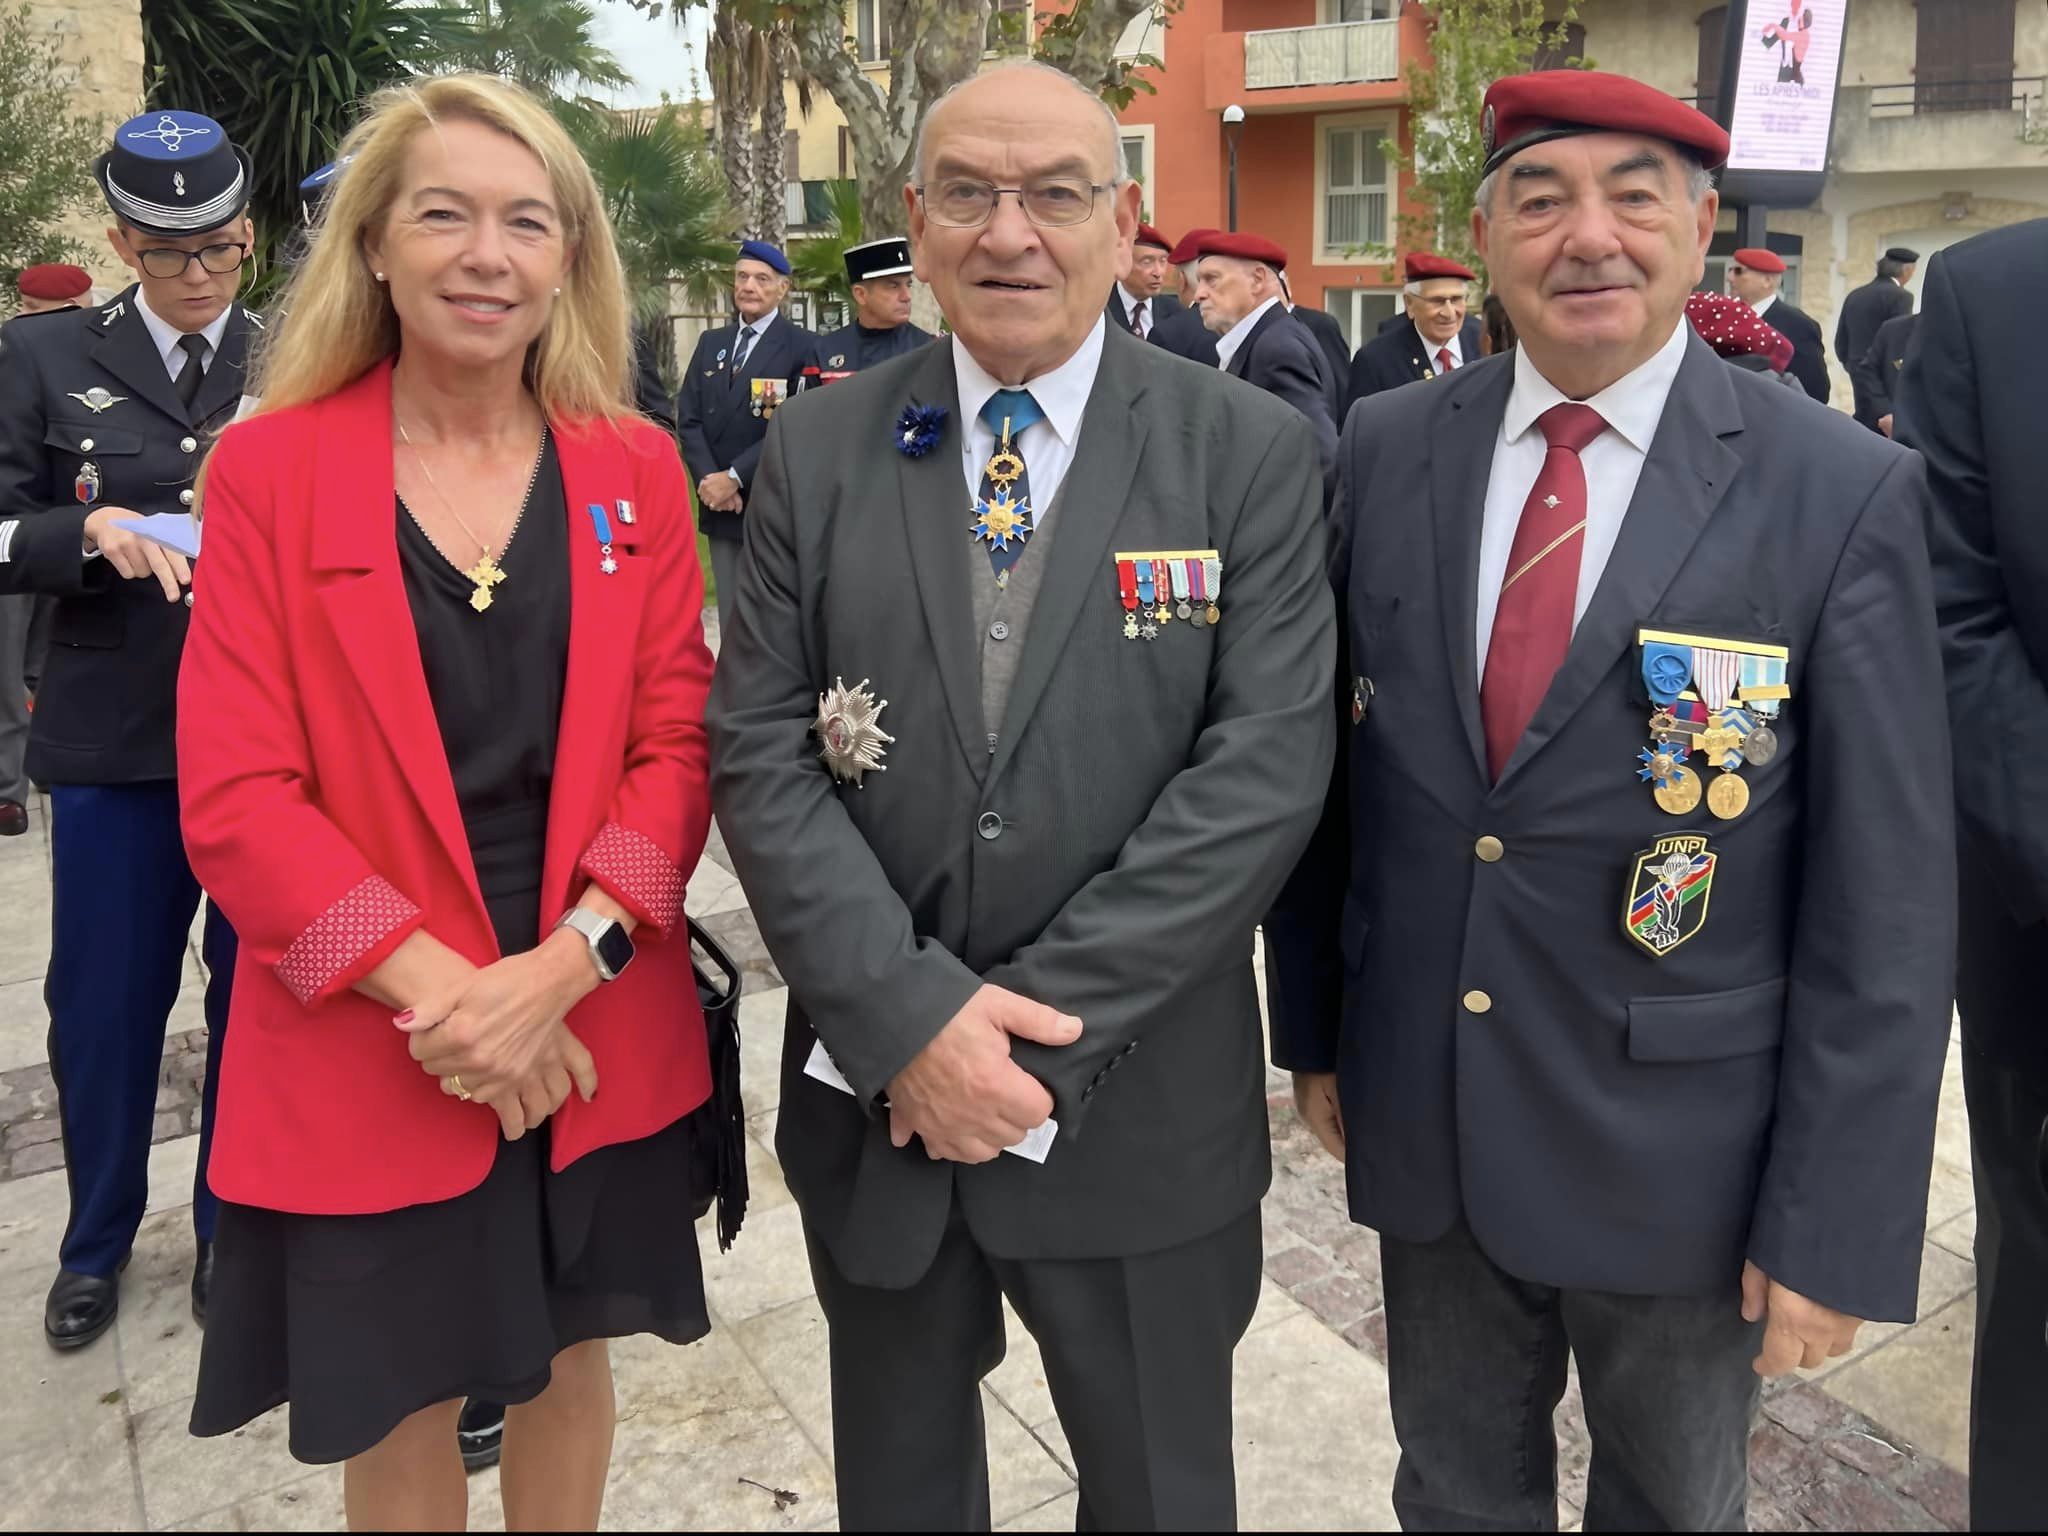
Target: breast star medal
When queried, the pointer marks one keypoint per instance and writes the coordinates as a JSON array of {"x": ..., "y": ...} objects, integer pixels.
[{"x": 850, "y": 742}]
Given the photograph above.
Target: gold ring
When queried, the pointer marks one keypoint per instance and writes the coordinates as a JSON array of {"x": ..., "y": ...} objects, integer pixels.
[{"x": 454, "y": 1084}]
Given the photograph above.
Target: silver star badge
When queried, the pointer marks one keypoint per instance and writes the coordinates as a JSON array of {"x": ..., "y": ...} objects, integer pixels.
[
  {"x": 96, "y": 399},
  {"x": 850, "y": 741}
]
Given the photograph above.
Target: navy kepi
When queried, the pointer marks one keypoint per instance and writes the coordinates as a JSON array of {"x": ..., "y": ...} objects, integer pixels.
[
  {"x": 887, "y": 257},
  {"x": 761, "y": 250},
  {"x": 174, "y": 173}
]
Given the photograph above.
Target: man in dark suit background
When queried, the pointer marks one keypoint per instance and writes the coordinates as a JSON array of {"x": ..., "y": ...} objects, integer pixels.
[
  {"x": 738, "y": 378},
  {"x": 1881, "y": 376},
  {"x": 1433, "y": 336},
  {"x": 1755, "y": 276},
  {"x": 1184, "y": 334},
  {"x": 1972, "y": 407},
  {"x": 1868, "y": 307},
  {"x": 1238, "y": 287},
  {"x": 1596, "y": 675},
  {"x": 1040, "y": 901},
  {"x": 1329, "y": 336},
  {"x": 1139, "y": 302}
]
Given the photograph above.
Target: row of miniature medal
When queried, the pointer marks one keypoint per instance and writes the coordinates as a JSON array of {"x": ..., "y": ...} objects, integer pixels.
[
  {"x": 1158, "y": 587},
  {"x": 1715, "y": 697}
]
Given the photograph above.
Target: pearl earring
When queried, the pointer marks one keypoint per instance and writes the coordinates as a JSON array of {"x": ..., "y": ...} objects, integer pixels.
[
  {"x": 558, "y": 293},
  {"x": 380, "y": 277}
]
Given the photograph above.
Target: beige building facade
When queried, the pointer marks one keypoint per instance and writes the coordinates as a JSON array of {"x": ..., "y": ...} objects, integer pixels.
[
  {"x": 1941, "y": 129},
  {"x": 101, "y": 40}
]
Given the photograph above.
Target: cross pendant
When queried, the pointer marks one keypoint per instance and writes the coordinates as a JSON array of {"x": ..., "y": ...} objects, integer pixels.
[{"x": 486, "y": 575}]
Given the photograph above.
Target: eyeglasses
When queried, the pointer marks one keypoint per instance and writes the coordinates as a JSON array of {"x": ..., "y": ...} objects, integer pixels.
[
  {"x": 963, "y": 202},
  {"x": 168, "y": 261}
]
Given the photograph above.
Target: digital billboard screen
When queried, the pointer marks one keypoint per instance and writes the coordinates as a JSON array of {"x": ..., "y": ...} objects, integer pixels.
[{"x": 1783, "y": 103}]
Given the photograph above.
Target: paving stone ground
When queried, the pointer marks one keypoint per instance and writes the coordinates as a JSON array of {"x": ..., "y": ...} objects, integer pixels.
[{"x": 734, "y": 1433}]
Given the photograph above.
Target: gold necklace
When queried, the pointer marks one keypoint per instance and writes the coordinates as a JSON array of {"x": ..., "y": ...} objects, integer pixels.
[{"x": 486, "y": 573}]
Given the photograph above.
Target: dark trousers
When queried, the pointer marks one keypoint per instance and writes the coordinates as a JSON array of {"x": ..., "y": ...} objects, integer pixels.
[
  {"x": 1476, "y": 1365},
  {"x": 123, "y": 902},
  {"x": 2009, "y": 1376},
  {"x": 725, "y": 574},
  {"x": 1137, "y": 1353}
]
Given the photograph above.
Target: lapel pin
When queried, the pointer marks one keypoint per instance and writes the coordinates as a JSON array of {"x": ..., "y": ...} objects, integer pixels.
[
  {"x": 625, "y": 509},
  {"x": 96, "y": 399}
]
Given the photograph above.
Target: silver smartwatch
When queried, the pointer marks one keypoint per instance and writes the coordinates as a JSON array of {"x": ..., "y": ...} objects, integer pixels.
[{"x": 611, "y": 947}]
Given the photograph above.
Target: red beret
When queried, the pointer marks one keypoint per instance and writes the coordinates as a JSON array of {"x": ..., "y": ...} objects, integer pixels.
[
  {"x": 1759, "y": 260},
  {"x": 1522, "y": 110},
  {"x": 54, "y": 280},
  {"x": 1185, "y": 249},
  {"x": 1733, "y": 328},
  {"x": 1246, "y": 247},
  {"x": 1422, "y": 266},
  {"x": 1147, "y": 235}
]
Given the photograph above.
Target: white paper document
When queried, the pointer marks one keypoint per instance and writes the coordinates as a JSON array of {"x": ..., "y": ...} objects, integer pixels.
[{"x": 1032, "y": 1148}]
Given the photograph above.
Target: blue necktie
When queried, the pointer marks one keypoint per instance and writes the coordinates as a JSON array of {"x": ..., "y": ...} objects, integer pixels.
[{"x": 1003, "y": 514}]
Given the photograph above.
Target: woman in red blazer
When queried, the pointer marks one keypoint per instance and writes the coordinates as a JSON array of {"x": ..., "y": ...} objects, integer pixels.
[{"x": 442, "y": 759}]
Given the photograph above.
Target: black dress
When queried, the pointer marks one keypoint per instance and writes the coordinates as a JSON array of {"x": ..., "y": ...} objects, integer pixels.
[{"x": 359, "y": 1321}]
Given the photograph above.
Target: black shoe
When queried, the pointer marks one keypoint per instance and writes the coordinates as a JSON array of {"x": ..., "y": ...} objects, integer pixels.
[
  {"x": 480, "y": 1432},
  {"x": 13, "y": 818},
  {"x": 202, "y": 1282},
  {"x": 80, "y": 1308}
]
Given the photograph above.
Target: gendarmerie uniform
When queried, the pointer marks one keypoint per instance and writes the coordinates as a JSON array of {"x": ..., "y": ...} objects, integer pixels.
[
  {"x": 849, "y": 349},
  {"x": 104, "y": 407}
]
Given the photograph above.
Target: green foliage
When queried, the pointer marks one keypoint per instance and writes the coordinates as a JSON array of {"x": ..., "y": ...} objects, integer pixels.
[
  {"x": 547, "y": 46},
  {"x": 286, "y": 79},
  {"x": 1059, "y": 34},
  {"x": 46, "y": 150},
  {"x": 818, "y": 262},
  {"x": 666, "y": 197},
  {"x": 1472, "y": 44}
]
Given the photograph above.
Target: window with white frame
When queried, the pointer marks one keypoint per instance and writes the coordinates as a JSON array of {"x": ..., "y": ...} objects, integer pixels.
[
  {"x": 1137, "y": 150},
  {"x": 1361, "y": 311},
  {"x": 1335, "y": 11},
  {"x": 1357, "y": 185},
  {"x": 871, "y": 31},
  {"x": 1143, "y": 33}
]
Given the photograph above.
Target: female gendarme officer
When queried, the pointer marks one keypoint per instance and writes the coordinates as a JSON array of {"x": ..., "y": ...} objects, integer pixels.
[
  {"x": 104, "y": 414},
  {"x": 443, "y": 759}
]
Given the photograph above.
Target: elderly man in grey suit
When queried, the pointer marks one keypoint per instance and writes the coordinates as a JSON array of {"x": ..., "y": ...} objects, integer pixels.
[
  {"x": 1021, "y": 722},
  {"x": 1624, "y": 992}
]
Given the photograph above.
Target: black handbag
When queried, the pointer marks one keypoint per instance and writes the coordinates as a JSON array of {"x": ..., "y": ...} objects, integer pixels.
[{"x": 718, "y": 1126}]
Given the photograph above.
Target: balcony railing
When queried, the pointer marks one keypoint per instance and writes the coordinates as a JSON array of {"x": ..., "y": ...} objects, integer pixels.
[
  {"x": 1343, "y": 54},
  {"x": 1998, "y": 93}
]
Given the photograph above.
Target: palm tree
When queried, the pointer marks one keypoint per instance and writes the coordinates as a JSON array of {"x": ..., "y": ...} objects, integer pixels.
[
  {"x": 666, "y": 199},
  {"x": 818, "y": 264},
  {"x": 548, "y": 46}
]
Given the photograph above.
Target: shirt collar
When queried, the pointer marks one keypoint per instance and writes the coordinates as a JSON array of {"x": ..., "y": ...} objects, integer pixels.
[
  {"x": 1061, "y": 393},
  {"x": 167, "y": 336},
  {"x": 1131, "y": 300},
  {"x": 1429, "y": 349},
  {"x": 760, "y": 327},
  {"x": 1632, "y": 405},
  {"x": 1763, "y": 306},
  {"x": 1228, "y": 343}
]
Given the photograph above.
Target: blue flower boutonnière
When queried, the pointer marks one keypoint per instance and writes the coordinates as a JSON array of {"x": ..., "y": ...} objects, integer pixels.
[{"x": 919, "y": 429}]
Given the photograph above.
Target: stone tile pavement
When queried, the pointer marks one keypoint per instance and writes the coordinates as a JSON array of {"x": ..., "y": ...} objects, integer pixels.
[{"x": 733, "y": 1433}]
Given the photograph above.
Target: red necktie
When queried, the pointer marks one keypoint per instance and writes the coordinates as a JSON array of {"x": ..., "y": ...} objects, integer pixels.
[
  {"x": 1532, "y": 627},
  {"x": 1443, "y": 360}
]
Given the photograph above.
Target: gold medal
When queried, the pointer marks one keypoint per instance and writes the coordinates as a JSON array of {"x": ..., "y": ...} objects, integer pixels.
[
  {"x": 1212, "y": 614},
  {"x": 1682, "y": 794},
  {"x": 1729, "y": 797},
  {"x": 1163, "y": 613}
]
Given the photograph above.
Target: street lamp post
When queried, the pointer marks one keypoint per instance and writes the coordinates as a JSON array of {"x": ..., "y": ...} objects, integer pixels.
[{"x": 1233, "y": 129}]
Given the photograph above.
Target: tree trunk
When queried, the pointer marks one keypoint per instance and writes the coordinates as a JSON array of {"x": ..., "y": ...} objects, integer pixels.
[
  {"x": 770, "y": 174},
  {"x": 732, "y": 85}
]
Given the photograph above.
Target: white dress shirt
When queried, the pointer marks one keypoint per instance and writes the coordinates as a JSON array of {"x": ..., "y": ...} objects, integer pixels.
[
  {"x": 1631, "y": 406},
  {"x": 167, "y": 336},
  {"x": 1763, "y": 306},
  {"x": 1130, "y": 302},
  {"x": 1228, "y": 343},
  {"x": 1047, "y": 445},
  {"x": 1430, "y": 348}
]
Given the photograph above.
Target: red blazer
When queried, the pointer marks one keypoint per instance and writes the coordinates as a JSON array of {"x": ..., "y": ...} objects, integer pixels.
[{"x": 320, "y": 814}]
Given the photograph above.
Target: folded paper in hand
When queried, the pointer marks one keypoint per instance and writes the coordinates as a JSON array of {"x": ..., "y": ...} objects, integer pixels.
[
  {"x": 173, "y": 530},
  {"x": 1033, "y": 1148}
]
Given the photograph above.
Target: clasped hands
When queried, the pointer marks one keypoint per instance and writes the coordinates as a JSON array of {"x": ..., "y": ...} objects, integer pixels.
[
  {"x": 719, "y": 491},
  {"x": 501, "y": 1032},
  {"x": 1799, "y": 1333},
  {"x": 962, "y": 1095}
]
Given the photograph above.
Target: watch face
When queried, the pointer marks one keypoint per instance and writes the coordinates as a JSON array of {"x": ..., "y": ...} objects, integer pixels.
[{"x": 615, "y": 949}]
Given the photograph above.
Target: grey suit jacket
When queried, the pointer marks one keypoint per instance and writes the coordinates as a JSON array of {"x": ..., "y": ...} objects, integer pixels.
[
  {"x": 1615, "y": 1121},
  {"x": 1110, "y": 857}
]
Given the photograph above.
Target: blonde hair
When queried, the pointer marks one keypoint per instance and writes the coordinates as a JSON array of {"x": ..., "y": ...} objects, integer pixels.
[{"x": 338, "y": 319}]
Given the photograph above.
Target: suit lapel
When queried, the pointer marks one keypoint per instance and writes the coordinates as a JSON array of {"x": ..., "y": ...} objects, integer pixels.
[
  {"x": 604, "y": 628},
  {"x": 1686, "y": 473},
  {"x": 355, "y": 537},
  {"x": 935, "y": 519},
  {"x": 222, "y": 385},
  {"x": 1105, "y": 463},
  {"x": 127, "y": 351},
  {"x": 1461, "y": 461}
]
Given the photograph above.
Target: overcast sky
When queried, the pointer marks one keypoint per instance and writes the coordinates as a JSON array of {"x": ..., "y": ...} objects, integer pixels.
[{"x": 660, "y": 55}]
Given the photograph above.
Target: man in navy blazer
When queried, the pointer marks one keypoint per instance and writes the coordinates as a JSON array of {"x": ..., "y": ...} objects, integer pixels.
[
  {"x": 738, "y": 377},
  {"x": 1433, "y": 335},
  {"x": 1237, "y": 285}
]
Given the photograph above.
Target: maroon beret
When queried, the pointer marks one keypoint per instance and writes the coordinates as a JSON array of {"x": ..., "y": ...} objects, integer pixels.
[
  {"x": 1424, "y": 265},
  {"x": 1147, "y": 235},
  {"x": 54, "y": 280},
  {"x": 1184, "y": 249},
  {"x": 1733, "y": 328},
  {"x": 1215, "y": 242},
  {"x": 1759, "y": 260},
  {"x": 1522, "y": 110}
]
